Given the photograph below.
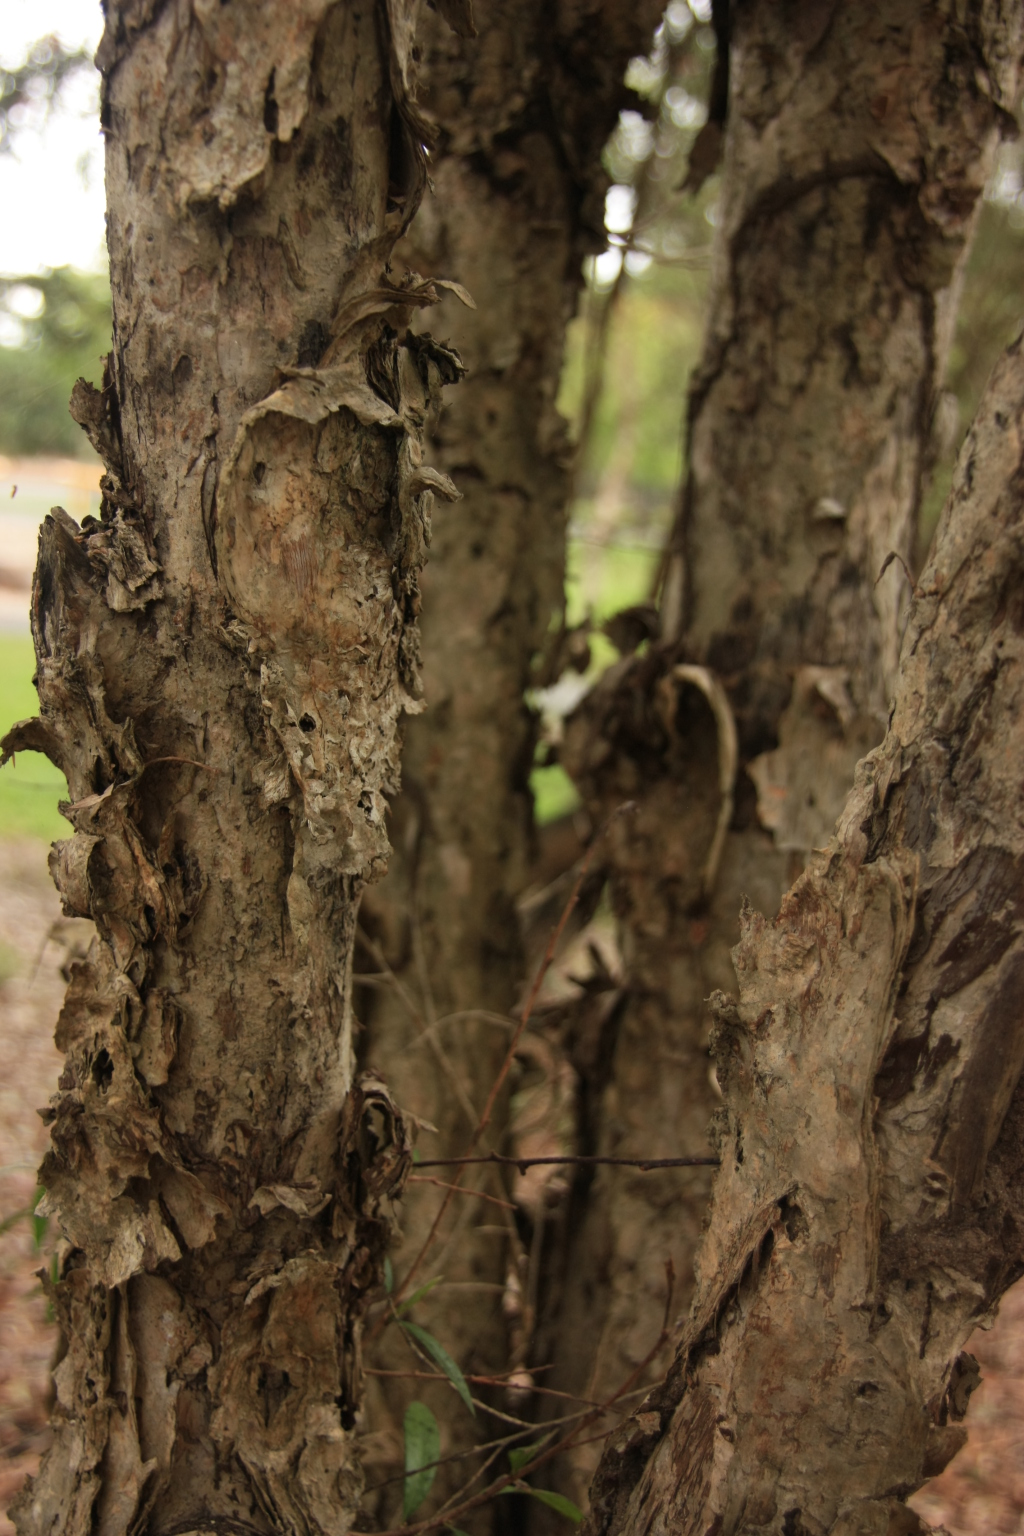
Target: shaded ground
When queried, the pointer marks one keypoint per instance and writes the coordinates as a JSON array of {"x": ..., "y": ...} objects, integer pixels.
[
  {"x": 981, "y": 1494},
  {"x": 35, "y": 942}
]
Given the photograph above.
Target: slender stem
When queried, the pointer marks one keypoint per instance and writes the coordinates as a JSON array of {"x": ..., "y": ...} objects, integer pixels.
[
  {"x": 585, "y": 1422},
  {"x": 485, "y": 1381},
  {"x": 459, "y": 1189},
  {"x": 499, "y": 1081},
  {"x": 644, "y": 1164}
]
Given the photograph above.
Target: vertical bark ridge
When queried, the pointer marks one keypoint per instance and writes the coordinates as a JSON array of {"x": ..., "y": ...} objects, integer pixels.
[
  {"x": 858, "y": 145},
  {"x": 523, "y": 111},
  {"x": 866, "y": 1216},
  {"x": 222, "y": 659}
]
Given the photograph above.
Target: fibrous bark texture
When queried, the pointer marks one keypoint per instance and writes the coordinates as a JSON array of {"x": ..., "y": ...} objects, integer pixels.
[
  {"x": 222, "y": 661},
  {"x": 859, "y": 141},
  {"x": 523, "y": 111},
  {"x": 867, "y": 1212}
]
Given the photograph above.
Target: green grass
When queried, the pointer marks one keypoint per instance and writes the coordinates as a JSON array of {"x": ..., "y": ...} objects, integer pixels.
[{"x": 30, "y": 786}]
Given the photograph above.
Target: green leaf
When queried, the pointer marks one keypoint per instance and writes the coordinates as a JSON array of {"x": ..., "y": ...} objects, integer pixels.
[
  {"x": 39, "y": 1223},
  {"x": 558, "y": 1502},
  {"x": 417, "y": 1295},
  {"x": 389, "y": 1276},
  {"x": 442, "y": 1358},
  {"x": 51, "y": 1316},
  {"x": 521, "y": 1454},
  {"x": 422, "y": 1448}
]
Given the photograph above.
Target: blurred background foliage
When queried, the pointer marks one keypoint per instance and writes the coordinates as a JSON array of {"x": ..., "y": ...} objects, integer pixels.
[
  {"x": 629, "y": 353},
  {"x": 54, "y": 329},
  {"x": 29, "y": 90}
]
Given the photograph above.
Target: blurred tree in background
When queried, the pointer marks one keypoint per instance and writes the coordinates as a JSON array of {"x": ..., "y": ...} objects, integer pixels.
[
  {"x": 54, "y": 326},
  {"x": 30, "y": 90}
]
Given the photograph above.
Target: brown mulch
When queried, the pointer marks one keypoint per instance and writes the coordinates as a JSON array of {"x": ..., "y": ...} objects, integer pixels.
[{"x": 980, "y": 1494}]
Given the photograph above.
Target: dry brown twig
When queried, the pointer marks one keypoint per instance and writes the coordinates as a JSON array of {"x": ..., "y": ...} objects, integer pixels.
[
  {"x": 451, "y": 1513},
  {"x": 589, "y": 1414},
  {"x": 459, "y": 1189},
  {"x": 499, "y": 1082},
  {"x": 585, "y": 1161}
]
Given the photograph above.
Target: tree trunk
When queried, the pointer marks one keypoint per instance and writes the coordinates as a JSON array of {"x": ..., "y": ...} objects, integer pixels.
[
  {"x": 859, "y": 141},
  {"x": 222, "y": 661},
  {"x": 524, "y": 110},
  {"x": 867, "y": 1213}
]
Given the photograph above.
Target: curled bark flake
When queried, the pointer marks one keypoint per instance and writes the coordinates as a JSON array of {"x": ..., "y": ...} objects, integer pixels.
[
  {"x": 119, "y": 548},
  {"x": 408, "y": 168},
  {"x": 125, "y": 1474},
  {"x": 95, "y": 411},
  {"x": 667, "y": 727},
  {"x": 728, "y": 752},
  {"x": 103, "y": 1120},
  {"x": 30, "y": 736},
  {"x": 458, "y": 14}
]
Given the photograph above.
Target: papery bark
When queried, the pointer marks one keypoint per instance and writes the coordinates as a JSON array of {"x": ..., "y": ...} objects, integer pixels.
[
  {"x": 859, "y": 142},
  {"x": 222, "y": 661},
  {"x": 866, "y": 1216}
]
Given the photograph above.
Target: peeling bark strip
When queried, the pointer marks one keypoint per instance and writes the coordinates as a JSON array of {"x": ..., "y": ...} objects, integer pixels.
[
  {"x": 859, "y": 141},
  {"x": 867, "y": 1215},
  {"x": 222, "y": 661}
]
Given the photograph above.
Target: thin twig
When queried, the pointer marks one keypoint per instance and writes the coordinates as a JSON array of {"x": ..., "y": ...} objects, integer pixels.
[
  {"x": 460, "y": 1189},
  {"x": 426, "y": 1035},
  {"x": 481, "y": 1471},
  {"x": 499, "y": 1081},
  {"x": 522, "y": 1163},
  {"x": 423, "y": 1027},
  {"x": 568, "y": 1440},
  {"x": 486, "y": 1381},
  {"x": 473, "y": 1450}
]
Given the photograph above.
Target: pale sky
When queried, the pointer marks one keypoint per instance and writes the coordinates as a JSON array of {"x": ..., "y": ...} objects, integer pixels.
[{"x": 51, "y": 184}]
